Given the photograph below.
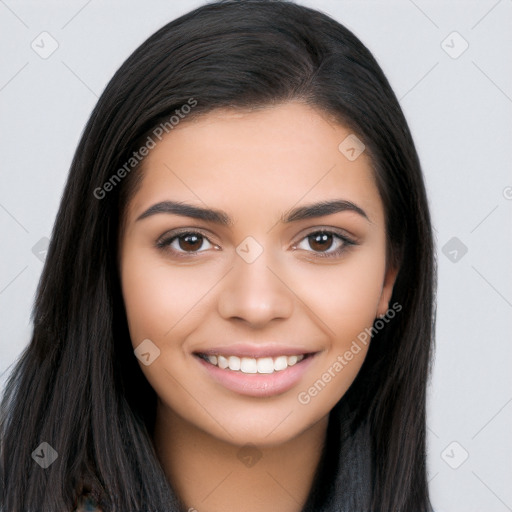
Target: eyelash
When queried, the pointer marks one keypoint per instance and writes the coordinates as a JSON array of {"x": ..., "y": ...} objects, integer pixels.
[{"x": 164, "y": 242}]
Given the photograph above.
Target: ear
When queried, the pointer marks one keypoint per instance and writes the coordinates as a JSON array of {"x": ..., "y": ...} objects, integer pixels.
[{"x": 387, "y": 290}]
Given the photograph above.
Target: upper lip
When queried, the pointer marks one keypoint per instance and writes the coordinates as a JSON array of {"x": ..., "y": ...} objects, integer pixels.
[{"x": 255, "y": 351}]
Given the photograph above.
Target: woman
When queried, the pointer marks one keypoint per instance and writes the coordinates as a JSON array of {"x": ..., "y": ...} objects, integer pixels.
[{"x": 237, "y": 306}]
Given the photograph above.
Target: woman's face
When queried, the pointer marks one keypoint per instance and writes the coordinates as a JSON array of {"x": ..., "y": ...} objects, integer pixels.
[{"x": 255, "y": 242}]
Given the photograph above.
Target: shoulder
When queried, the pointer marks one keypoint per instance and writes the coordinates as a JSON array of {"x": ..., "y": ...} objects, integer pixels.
[{"x": 86, "y": 504}]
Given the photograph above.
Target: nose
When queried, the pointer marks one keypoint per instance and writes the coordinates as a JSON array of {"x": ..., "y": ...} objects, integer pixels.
[{"x": 254, "y": 293}]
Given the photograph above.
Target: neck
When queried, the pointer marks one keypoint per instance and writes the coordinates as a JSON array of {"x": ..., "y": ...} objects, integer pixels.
[{"x": 211, "y": 475}]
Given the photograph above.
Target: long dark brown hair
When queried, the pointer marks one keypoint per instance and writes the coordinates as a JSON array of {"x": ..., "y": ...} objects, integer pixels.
[{"x": 78, "y": 386}]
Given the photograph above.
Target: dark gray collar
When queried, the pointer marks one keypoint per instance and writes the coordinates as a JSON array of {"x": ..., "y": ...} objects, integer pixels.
[{"x": 343, "y": 481}]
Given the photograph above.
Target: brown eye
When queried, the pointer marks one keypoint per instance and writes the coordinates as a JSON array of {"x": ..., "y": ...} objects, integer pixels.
[
  {"x": 320, "y": 241},
  {"x": 190, "y": 242},
  {"x": 325, "y": 243}
]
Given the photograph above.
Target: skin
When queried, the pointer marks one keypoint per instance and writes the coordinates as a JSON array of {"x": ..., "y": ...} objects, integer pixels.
[{"x": 255, "y": 166}]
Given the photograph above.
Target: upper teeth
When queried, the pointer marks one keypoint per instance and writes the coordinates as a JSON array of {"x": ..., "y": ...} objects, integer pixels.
[{"x": 254, "y": 365}]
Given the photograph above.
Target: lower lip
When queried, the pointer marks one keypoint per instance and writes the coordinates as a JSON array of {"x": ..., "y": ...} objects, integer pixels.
[{"x": 259, "y": 384}]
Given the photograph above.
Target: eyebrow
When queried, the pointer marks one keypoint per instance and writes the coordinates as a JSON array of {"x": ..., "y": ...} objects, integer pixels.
[{"x": 222, "y": 218}]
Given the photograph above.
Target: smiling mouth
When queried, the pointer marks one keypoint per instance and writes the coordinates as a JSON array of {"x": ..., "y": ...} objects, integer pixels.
[{"x": 250, "y": 365}]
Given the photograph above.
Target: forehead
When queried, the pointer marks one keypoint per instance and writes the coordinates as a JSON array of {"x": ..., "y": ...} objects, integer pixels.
[{"x": 265, "y": 160}]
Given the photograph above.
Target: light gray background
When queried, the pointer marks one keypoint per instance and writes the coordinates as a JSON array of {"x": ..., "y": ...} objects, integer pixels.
[{"x": 459, "y": 110}]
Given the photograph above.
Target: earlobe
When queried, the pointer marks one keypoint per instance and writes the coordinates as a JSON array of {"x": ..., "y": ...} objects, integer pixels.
[{"x": 387, "y": 290}]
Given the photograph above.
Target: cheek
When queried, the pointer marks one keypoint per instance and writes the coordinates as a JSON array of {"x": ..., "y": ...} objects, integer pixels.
[
  {"x": 158, "y": 297},
  {"x": 153, "y": 303},
  {"x": 343, "y": 296},
  {"x": 144, "y": 296},
  {"x": 345, "y": 301}
]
